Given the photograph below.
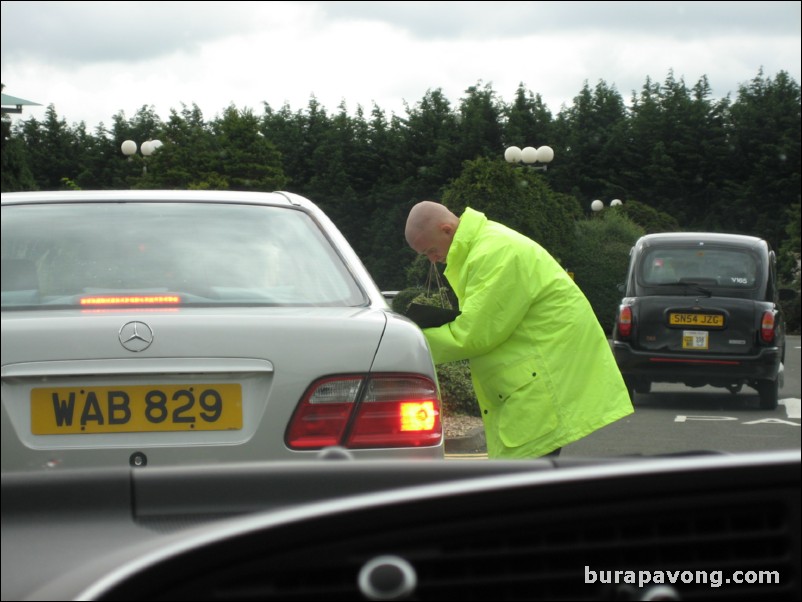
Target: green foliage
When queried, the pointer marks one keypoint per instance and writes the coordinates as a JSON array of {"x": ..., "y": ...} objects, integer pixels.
[
  {"x": 789, "y": 252},
  {"x": 592, "y": 140},
  {"x": 406, "y": 296},
  {"x": 456, "y": 389},
  {"x": 68, "y": 184},
  {"x": 528, "y": 121},
  {"x": 766, "y": 140},
  {"x": 789, "y": 269},
  {"x": 599, "y": 261},
  {"x": 792, "y": 310},
  {"x": 480, "y": 124},
  {"x": 417, "y": 272},
  {"x": 244, "y": 158},
  {"x": 16, "y": 173},
  {"x": 648, "y": 218},
  {"x": 429, "y": 146}
]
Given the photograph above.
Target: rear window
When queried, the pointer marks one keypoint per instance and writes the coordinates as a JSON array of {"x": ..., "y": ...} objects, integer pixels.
[
  {"x": 183, "y": 253},
  {"x": 730, "y": 267}
]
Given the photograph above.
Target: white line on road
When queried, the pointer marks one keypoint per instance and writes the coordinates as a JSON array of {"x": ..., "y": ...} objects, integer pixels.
[{"x": 792, "y": 407}]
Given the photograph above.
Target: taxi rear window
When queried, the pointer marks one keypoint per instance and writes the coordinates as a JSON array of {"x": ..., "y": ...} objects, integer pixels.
[{"x": 718, "y": 267}]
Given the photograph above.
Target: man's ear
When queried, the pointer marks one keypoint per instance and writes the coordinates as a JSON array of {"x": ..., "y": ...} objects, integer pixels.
[{"x": 447, "y": 228}]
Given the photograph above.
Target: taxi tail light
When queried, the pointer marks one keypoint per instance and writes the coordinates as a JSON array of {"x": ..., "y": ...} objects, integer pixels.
[
  {"x": 624, "y": 321},
  {"x": 767, "y": 327},
  {"x": 385, "y": 410}
]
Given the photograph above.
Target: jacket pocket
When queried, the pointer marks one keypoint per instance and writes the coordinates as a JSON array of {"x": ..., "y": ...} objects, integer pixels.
[{"x": 524, "y": 401}]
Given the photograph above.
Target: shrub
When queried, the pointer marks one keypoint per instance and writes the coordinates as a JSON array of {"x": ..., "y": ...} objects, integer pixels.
[
  {"x": 519, "y": 198},
  {"x": 402, "y": 300},
  {"x": 599, "y": 260},
  {"x": 456, "y": 389}
]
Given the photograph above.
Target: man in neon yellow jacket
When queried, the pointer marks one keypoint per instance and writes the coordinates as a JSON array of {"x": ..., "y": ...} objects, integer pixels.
[{"x": 540, "y": 362}]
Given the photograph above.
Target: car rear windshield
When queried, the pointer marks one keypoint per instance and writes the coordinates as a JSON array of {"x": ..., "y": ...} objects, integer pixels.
[
  {"x": 81, "y": 254},
  {"x": 714, "y": 267}
]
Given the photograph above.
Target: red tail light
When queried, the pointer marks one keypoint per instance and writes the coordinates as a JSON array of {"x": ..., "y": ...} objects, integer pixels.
[
  {"x": 624, "y": 321},
  {"x": 385, "y": 410},
  {"x": 767, "y": 327}
]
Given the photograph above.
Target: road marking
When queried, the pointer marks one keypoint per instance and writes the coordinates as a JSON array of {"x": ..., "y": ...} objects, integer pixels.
[
  {"x": 792, "y": 407},
  {"x": 772, "y": 421},
  {"x": 792, "y": 410},
  {"x": 681, "y": 418},
  {"x": 476, "y": 456}
]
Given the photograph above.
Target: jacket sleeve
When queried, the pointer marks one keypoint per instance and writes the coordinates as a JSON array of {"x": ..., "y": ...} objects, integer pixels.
[{"x": 497, "y": 297}]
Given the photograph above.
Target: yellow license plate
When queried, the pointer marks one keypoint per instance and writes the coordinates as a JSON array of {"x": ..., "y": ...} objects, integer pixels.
[
  {"x": 689, "y": 319},
  {"x": 136, "y": 409}
]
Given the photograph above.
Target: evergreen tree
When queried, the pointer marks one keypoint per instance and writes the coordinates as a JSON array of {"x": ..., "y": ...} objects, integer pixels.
[
  {"x": 430, "y": 146},
  {"x": 187, "y": 158},
  {"x": 245, "y": 159},
  {"x": 527, "y": 121},
  {"x": 592, "y": 136},
  {"x": 15, "y": 170},
  {"x": 285, "y": 130},
  {"x": 480, "y": 127},
  {"x": 52, "y": 150},
  {"x": 766, "y": 139}
]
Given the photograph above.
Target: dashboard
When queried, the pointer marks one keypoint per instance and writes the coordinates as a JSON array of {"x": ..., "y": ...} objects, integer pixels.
[{"x": 680, "y": 527}]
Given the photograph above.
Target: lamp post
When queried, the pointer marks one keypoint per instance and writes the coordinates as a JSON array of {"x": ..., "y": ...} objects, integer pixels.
[
  {"x": 597, "y": 205},
  {"x": 529, "y": 156},
  {"x": 148, "y": 147}
]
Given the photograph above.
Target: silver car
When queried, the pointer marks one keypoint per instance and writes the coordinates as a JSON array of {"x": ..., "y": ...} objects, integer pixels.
[{"x": 176, "y": 327}]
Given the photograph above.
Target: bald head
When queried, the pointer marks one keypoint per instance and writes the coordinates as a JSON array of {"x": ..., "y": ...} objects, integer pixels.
[{"x": 430, "y": 229}]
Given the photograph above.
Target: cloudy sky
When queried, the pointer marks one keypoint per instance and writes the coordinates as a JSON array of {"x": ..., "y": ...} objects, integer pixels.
[{"x": 92, "y": 60}]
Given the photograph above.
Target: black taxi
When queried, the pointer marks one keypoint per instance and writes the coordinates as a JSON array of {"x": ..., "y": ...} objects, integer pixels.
[{"x": 701, "y": 309}]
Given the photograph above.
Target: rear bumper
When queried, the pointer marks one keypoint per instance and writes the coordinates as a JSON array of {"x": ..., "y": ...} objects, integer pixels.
[{"x": 696, "y": 368}]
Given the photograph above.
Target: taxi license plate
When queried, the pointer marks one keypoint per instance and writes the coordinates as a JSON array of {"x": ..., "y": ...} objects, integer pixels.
[
  {"x": 136, "y": 409},
  {"x": 691, "y": 319}
]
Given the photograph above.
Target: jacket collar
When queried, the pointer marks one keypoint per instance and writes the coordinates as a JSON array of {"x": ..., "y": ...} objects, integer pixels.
[{"x": 470, "y": 224}]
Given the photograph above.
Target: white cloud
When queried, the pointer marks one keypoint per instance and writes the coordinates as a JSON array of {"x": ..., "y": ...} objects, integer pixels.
[{"x": 92, "y": 60}]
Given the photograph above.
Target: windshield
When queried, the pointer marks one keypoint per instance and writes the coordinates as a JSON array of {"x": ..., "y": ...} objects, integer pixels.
[
  {"x": 731, "y": 268},
  {"x": 184, "y": 253}
]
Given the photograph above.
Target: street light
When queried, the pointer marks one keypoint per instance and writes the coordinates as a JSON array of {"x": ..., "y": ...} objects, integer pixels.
[
  {"x": 598, "y": 205},
  {"x": 148, "y": 147},
  {"x": 529, "y": 156}
]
